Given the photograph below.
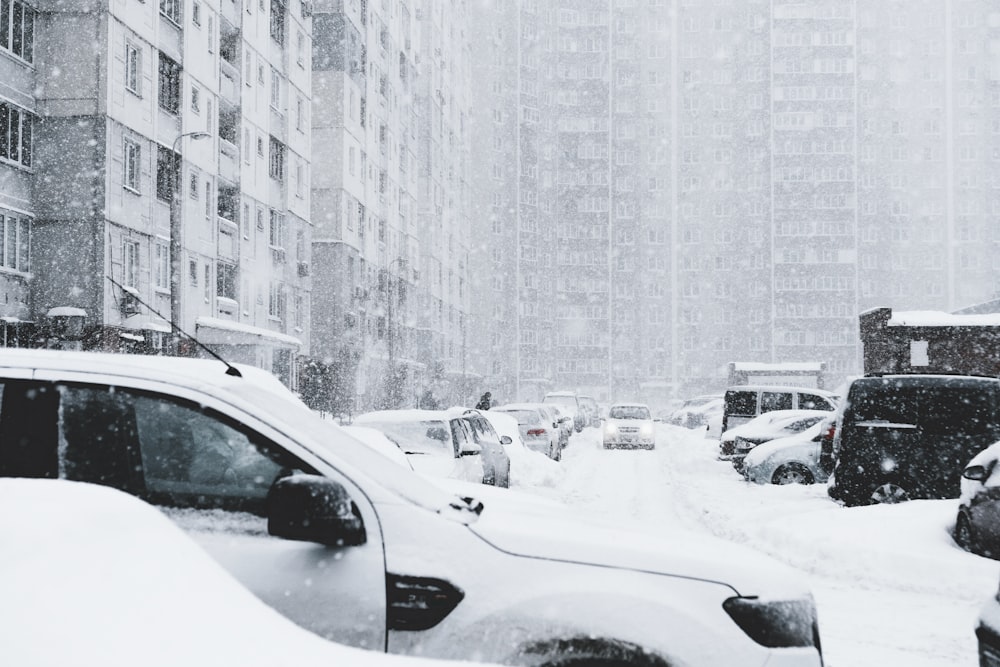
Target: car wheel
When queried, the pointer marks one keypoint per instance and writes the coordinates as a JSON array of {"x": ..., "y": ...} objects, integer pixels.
[
  {"x": 963, "y": 532},
  {"x": 792, "y": 473},
  {"x": 888, "y": 494}
]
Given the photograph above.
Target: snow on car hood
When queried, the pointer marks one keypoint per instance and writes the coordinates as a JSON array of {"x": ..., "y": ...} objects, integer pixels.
[{"x": 566, "y": 536}]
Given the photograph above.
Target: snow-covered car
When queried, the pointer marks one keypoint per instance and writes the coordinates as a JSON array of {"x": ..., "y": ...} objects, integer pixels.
[
  {"x": 569, "y": 404},
  {"x": 977, "y": 525},
  {"x": 122, "y": 583},
  {"x": 381, "y": 443},
  {"x": 736, "y": 442},
  {"x": 695, "y": 412},
  {"x": 593, "y": 410},
  {"x": 367, "y": 553},
  {"x": 629, "y": 425},
  {"x": 564, "y": 421},
  {"x": 537, "y": 429},
  {"x": 443, "y": 443},
  {"x": 793, "y": 459}
]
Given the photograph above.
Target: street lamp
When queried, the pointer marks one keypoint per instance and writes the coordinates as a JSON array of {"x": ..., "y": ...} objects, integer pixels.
[
  {"x": 391, "y": 329},
  {"x": 176, "y": 230}
]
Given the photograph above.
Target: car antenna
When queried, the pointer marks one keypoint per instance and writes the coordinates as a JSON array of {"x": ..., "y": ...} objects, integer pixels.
[{"x": 230, "y": 369}]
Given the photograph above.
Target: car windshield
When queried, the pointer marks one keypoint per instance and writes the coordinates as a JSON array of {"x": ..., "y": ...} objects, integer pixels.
[
  {"x": 629, "y": 412},
  {"x": 418, "y": 437},
  {"x": 567, "y": 401},
  {"x": 523, "y": 416}
]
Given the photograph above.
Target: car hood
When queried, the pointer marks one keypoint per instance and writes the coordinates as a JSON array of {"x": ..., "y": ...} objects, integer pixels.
[
  {"x": 563, "y": 535},
  {"x": 803, "y": 440}
]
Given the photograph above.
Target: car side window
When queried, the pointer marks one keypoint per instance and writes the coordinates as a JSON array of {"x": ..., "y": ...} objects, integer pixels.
[
  {"x": 813, "y": 402},
  {"x": 771, "y": 400},
  {"x": 482, "y": 431},
  {"x": 166, "y": 450},
  {"x": 460, "y": 435}
]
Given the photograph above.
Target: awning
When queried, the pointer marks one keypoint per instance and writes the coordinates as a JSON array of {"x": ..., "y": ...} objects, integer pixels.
[
  {"x": 213, "y": 331},
  {"x": 128, "y": 336},
  {"x": 66, "y": 311},
  {"x": 145, "y": 323}
]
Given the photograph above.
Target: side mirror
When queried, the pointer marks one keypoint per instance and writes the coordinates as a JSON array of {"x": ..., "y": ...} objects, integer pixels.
[
  {"x": 470, "y": 448},
  {"x": 505, "y": 440},
  {"x": 310, "y": 508},
  {"x": 976, "y": 473},
  {"x": 565, "y": 420}
]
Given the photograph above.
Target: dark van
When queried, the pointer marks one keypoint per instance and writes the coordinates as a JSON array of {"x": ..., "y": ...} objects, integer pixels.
[
  {"x": 909, "y": 436},
  {"x": 744, "y": 402}
]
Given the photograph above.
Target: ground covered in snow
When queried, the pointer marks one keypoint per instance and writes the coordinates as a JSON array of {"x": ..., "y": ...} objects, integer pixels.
[{"x": 891, "y": 587}]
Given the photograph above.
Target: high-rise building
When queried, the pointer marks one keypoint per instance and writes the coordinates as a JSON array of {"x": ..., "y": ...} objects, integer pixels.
[
  {"x": 161, "y": 175},
  {"x": 390, "y": 205},
  {"x": 730, "y": 181}
]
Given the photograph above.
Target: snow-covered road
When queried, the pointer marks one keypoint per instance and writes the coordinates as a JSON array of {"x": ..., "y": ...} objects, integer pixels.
[{"x": 890, "y": 585}]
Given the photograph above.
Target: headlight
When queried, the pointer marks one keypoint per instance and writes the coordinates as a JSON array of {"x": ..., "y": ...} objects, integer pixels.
[
  {"x": 610, "y": 428},
  {"x": 776, "y": 624}
]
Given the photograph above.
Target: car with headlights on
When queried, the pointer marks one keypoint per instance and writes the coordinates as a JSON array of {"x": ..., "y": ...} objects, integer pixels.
[
  {"x": 359, "y": 550},
  {"x": 793, "y": 459},
  {"x": 629, "y": 425}
]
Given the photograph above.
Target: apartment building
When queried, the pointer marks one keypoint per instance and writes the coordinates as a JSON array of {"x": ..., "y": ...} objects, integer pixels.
[
  {"x": 785, "y": 165},
  {"x": 390, "y": 205},
  {"x": 161, "y": 177}
]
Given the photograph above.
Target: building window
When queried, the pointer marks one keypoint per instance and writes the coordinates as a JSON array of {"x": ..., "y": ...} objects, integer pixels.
[
  {"x": 161, "y": 267},
  {"x": 195, "y": 99},
  {"x": 17, "y": 29},
  {"x": 275, "y": 89},
  {"x": 276, "y": 301},
  {"x": 278, "y": 21},
  {"x": 196, "y": 13},
  {"x": 208, "y": 282},
  {"x": 133, "y": 68},
  {"x": 130, "y": 263},
  {"x": 208, "y": 199},
  {"x": 15, "y": 134},
  {"x": 225, "y": 280},
  {"x": 170, "y": 85},
  {"x": 300, "y": 113},
  {"x": 131, "y": 158},
  {"x": 172, "y": 10},
  {"x": 300, "y": 50},
  {"x": 193, "y": 187},
  {"x": 276, "y": 233},
  {"x": 193, "y": 272},
  {"x": 260, "y": 146},
  {"x": 277, "y": 160},
  {"x": 165, "y": 166},
  {"x": 15, "y": 242}
]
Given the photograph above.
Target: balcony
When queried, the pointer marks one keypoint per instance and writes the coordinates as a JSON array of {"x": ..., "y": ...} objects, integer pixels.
[{"x": 229, "y": 162}]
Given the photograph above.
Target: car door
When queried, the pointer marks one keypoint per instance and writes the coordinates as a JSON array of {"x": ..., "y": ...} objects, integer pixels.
[
  {"x": 468, "y": 467},
  {"x": 211, "y": 473}
]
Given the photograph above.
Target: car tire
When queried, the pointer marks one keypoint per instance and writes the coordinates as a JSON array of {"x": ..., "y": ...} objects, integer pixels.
[
  {"x": 888, "y": 493},
  {"x": 792, "y": 473},
  {"x": 964, "y": 537}
]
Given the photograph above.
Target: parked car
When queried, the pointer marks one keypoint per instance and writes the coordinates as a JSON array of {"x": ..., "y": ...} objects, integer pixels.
[
  {"x": 695, "y": 412},
  {"x": 977, "y": 525},
  {"x": 793, "y": 459},
  {"x": 629, "y": 425},
  {"x": 444, "y": 443},
  {"x": 496, "y": 463},
  {"x": 911, "y": 436},
  {"x": 565, "y": 422},
  {"x": 568, "y": 402},
  {"x": 537, "y": 428},
  {"x": 988, "y": 632},
  {"x": 754, "y": 433},
  {"x": 123, "y": 584},
  {"x": 357, "y": 549},
  {"x": 744, "y": 402},
  {"x": 768, "y": 425},
  {"x": 593, "y": 411}
]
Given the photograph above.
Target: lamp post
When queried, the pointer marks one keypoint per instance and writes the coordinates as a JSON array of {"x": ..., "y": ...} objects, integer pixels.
[
  {"x": 176, "y": 230},
  {"x": 391, "y": 330}
]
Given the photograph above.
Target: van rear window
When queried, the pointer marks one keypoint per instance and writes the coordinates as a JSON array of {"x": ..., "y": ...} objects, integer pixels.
[
  {"x": 938, "y": 408},
  {"x": 742, "y": 403}
]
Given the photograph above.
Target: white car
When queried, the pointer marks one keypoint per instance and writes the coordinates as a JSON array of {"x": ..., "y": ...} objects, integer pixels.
[
  {"x": 364, "y": 552},
  {"x": 537, "y": 429},
  {"x": 121, "y": 584},
  {"x": 629, "y": 425},
  {"x": 737, "y": 441},
  {"x": 794, "y": 459}
]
